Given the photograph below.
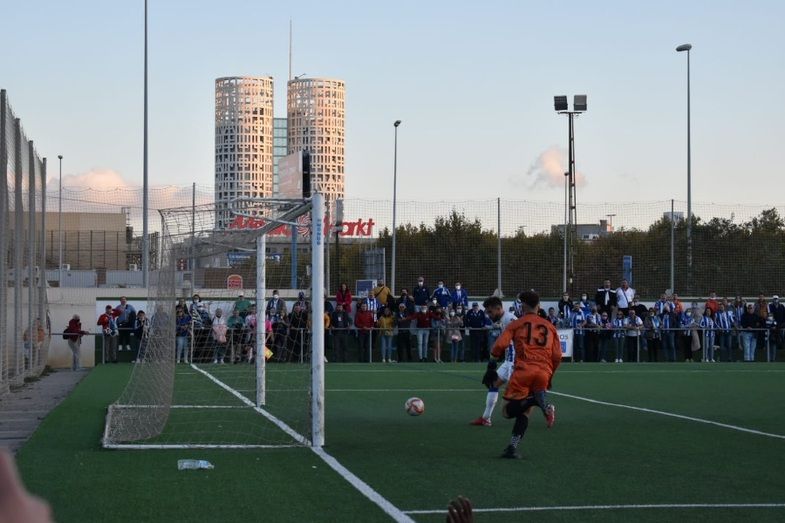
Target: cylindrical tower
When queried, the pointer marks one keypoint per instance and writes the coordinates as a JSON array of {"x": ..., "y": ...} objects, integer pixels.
[
  {"x": 315, "y": 110},
  {"x": 243, "y": 141}
]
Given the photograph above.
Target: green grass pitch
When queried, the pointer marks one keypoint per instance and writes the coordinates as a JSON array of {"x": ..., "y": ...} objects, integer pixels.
[{"x": 596, "y": 455}]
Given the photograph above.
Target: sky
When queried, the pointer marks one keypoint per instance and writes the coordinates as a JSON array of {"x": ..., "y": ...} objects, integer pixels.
[{"x": 473, "y": 83}]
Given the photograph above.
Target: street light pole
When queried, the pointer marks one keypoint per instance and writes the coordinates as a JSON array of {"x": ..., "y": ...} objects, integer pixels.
[
  {"x": 60, "y": 224},
  {"x": 395, "y": 202},
  {"x": 682, "y": 48},
  {"x": 145, "y": 188}
]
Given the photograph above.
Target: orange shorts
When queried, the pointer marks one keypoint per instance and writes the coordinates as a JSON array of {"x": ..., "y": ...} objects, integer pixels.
[{"x": 525, "y": 382}]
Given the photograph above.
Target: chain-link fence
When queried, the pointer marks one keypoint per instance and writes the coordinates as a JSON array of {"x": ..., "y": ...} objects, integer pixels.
[
  {"x": 515, "y": 245},
  {"x": 24, "y": 325}
]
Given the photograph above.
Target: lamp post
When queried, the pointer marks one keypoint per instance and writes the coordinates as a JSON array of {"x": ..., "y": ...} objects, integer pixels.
[
  {"x": 60, "y": 224},
  {"x": 145, "y": 186},
  {"x": 395, "y": 202},
  {"x": 561, "y": 106},
  {"x": 683, "y": 48}
]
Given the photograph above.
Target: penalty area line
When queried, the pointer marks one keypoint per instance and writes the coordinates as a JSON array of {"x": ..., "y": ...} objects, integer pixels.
[
  {"x": 612, "y": 507},
  {"x": 361, "y": 486},
  {"x": 670, "y": 414}
]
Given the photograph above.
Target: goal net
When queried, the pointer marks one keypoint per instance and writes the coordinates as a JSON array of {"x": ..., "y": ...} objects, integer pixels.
[{"x": 232, "y": 351}]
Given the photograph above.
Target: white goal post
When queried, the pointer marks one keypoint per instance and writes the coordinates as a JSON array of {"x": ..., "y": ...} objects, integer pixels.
[{"x": 165, "y": 405}]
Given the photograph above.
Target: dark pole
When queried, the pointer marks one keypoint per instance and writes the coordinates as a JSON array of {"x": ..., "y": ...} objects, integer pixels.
[
  {"x": 572, "y": 223},
  {"x": 145, "y": 188},
  {"x": 687, "y": 48},
  {"x": 395, "y": 202}
]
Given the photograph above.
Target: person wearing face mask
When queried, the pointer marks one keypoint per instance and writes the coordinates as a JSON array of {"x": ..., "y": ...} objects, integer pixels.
[
  {"x": 421, "y": 293},
  {"x": 584, "y": 304},
  {"x": 218, "y": 330},
  {"x": 386, "y": 324},
  {"x": 707, "y": 335},
  {"x": 423, "y": 322},
  {"x": 640, "y": 309},
  {"x": 442, "y": 295},
  {"x": 438, "y": 332},
  {"x": 592, "y": 334},
  {"x": 459, "y": 298},
  {"x": 276, "y": 311},
  {"x": 454, "y": 328},
  {"x": 688, "y": 326}
]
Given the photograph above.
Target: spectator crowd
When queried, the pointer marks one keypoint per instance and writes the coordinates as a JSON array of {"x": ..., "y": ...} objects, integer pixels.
[{"x": 441, "y": 325}]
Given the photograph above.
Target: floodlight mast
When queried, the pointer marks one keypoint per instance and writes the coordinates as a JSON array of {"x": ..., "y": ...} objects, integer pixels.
[{"x": 561, "y": 106}]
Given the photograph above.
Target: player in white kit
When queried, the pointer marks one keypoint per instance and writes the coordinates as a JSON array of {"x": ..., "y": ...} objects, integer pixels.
[{"x": 496, "y": 375}]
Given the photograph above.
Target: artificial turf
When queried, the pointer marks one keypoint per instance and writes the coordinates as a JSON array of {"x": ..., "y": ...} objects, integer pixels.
[{"x": 595, "y": 455}]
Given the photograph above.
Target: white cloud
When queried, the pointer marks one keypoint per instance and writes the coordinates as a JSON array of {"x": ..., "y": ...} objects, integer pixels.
[{"x": 106, "y": 187}]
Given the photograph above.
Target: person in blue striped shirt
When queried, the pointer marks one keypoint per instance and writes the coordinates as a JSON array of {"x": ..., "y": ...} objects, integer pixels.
[
  {"x": 577, "y": 322},
  {"x": 708, "y": 334},
  {"x": 618, "y": 336},
  {"x": 723, "y": 321}
]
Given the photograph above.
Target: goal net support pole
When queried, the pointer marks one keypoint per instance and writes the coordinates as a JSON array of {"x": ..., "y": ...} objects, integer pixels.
[
  {"x": 261, "y": 327},
  {"x": 317, "y": 319}
]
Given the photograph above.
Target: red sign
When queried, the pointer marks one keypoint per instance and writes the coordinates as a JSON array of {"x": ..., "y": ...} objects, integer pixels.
[
  {"x": 234, "y": 282},
  {"x": 352, "y": 229}
]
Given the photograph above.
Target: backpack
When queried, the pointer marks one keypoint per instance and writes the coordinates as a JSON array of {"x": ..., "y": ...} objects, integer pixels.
[{"x": 67, "y": 333}]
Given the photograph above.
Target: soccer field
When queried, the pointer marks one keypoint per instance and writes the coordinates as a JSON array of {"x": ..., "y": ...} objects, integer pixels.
[{"x": 647, "y": 442}]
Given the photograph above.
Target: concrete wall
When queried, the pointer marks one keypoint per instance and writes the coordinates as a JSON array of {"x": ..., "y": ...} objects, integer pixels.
[{"x": 63, "y": 304}]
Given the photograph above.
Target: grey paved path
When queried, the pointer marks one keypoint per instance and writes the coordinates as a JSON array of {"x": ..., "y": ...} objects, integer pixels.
[{"x": 23, "y": 409}]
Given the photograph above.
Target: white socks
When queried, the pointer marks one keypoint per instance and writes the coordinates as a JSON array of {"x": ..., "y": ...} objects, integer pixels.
[{"x": 490, "y": 403}]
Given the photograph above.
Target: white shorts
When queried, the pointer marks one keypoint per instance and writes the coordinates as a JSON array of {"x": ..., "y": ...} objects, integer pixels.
[{"x": 505, "y": 370}]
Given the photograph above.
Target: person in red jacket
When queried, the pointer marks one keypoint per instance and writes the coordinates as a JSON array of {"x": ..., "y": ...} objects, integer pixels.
[
  {"x": 73, "y": 334},
  {"x": 344, "y": 297},
  {"x": 423, "y": 318},
  {"x": 108, "y": 323},
  {"x": 364, "y": 321}
]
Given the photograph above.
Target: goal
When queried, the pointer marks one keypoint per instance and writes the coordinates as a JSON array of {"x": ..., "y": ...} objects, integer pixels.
[{"x": 213, "y": 373}]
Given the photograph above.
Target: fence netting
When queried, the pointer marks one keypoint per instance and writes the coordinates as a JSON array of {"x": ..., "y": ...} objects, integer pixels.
[{"x": 24, "y": 324}]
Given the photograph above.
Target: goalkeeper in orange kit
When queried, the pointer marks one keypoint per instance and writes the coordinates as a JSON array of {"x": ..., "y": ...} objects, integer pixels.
[{"x": 537, "y": 356}]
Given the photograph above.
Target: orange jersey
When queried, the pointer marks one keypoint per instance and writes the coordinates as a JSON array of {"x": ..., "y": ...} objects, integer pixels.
[{"x": 536, "y": 342}]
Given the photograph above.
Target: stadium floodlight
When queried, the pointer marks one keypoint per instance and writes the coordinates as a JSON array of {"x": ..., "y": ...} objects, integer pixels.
[{"x": 561, "y": 106}]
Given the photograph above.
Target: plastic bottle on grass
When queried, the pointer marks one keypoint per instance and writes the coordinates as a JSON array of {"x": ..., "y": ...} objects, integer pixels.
[{"x": 193, "y": 464}]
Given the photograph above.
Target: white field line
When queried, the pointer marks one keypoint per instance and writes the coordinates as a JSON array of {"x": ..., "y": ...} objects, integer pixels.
[
  {"x": 182, "y": 406},
  {"x": 365, "y": 489},
  {"x": 476, "y": 389},
  {"x": 155, "y": 446},
  {"x": 671, "y": 414},
  {"x": 280, "y": 424},
  {"x": 612, "y": 507}
]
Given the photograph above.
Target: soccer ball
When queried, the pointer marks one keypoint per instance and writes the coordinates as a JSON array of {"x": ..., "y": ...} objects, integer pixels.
[{"x": 414, "y": 406}]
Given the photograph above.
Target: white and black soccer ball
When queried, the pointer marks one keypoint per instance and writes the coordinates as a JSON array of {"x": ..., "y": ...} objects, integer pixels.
[{"x": 414, "y": 406}]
